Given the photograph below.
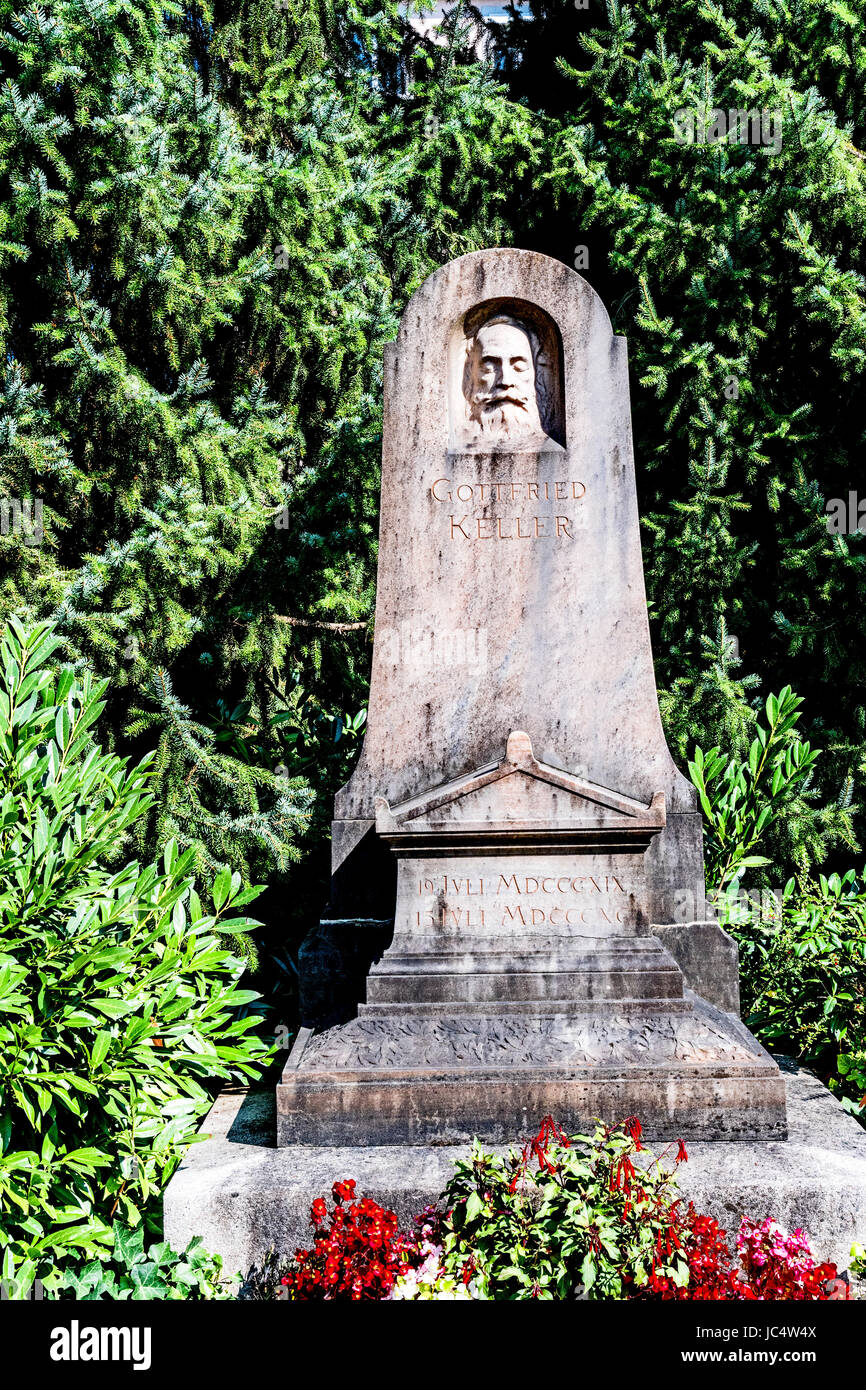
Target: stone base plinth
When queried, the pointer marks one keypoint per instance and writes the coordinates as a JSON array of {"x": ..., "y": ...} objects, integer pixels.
[
  {"x": 243, "y": 1195},
  {"x": 444, "y": 1074},
  {"x": 629, "y": 970}
]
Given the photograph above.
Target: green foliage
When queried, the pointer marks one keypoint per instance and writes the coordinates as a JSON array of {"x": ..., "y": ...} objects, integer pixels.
[
  {"x": 742, "y": 798},
  {"x": 269, "y": 808},
  {"x": 214, "y": 218},
  {"x": 118, "y": 1000},
  {"x": 130, "y": 1272},
  {"x": 736, "y": 272},
  {"x": 803, "y": 978},
  {"x": 587, "y": 1223},
  {"x": 710, "y": 702}
]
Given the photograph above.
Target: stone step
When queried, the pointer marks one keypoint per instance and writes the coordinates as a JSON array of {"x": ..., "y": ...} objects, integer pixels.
[
  {"x": 625, "y": 968},
  {"x": 481, "y": 943},
  {"x": 243, "y": 1195},
  {"x": 535, "y": 1008},
  {"x": 561, "y": 956},
  {"x": 456, "y": 986}
]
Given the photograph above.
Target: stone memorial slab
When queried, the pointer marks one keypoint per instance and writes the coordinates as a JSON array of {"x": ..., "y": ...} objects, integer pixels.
[{"x": 515, "y": 808}]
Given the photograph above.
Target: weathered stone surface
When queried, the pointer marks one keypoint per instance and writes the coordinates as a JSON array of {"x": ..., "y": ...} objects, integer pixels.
[
  {"x": 629, "y": 971},
  {"x": 549, "y": 1040},
  {"x": 519, "y": 805},
  {"x": 447, "y": 1075},
  {"x": 588, "y": 898},
  {"x": 244, "y": 1195},
  {"x": 708, "y": 958}
]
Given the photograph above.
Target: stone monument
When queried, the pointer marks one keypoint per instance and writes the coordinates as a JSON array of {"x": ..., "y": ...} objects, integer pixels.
[{"x": 515, "y": 809}]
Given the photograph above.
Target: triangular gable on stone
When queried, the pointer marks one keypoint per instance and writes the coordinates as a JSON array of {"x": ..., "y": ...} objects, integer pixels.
[{"x": 518, "y": 798}]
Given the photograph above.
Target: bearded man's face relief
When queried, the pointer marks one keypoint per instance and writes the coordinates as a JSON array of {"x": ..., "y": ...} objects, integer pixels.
[{"x": 503, "y": 402}]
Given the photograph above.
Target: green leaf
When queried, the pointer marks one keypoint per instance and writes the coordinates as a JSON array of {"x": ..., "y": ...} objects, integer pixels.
[
  {"x": 113, "y": 1008},
  {"x": 100, "y": 1048},
  {"x": 128, "y": 1243},
  {"x": 87, "y": 1157},
  {"x": 474, "y": 1206},
  {"x": 221, "y": 886}
]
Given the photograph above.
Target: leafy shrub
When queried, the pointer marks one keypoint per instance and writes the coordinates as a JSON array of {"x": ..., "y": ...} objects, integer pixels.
[
  {"x": 158, "y": 1273},
  {"x": 803, "y": 980},
  {"x": 802, "y": 971},
  {"x": 118, "y": 1000},
  {"x": 711, "y": 704},
  {"x": 740, "y": 798},
  {"x": 601, "y": 1219},
  {"x": 589, "y": 1221}
]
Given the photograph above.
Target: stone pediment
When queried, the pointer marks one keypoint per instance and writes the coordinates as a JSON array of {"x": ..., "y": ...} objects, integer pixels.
[{"x": 519, "y": 801}]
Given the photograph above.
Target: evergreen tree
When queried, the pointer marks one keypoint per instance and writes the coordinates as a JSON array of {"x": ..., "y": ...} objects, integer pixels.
[
  {"x": 735, "y": 269},
  {"x": 214, "y": 218}
]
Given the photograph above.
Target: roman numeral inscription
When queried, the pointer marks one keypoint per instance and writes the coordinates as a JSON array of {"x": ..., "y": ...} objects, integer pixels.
[
  {"x": 562, "y": 894},
  {"x": 564, "y": 884}
]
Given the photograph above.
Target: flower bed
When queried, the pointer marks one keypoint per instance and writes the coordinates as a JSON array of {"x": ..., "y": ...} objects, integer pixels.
[{"x": 581, "y": 1217}]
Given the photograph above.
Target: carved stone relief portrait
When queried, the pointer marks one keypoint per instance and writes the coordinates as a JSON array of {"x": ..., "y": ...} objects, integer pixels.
[{"x": 510, "y": 382}]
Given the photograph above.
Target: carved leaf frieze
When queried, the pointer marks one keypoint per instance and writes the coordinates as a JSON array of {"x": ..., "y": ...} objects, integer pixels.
[{"x": 495, "y": 1041}]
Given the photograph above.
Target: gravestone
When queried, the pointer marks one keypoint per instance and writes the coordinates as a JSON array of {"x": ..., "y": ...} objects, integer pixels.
[{"x": 515, "y": 808}]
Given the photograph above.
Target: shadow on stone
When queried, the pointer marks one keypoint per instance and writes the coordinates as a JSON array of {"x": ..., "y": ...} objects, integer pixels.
[
  {"x": 255, "y": 1121},
  {"x": 333, "y": 964}
]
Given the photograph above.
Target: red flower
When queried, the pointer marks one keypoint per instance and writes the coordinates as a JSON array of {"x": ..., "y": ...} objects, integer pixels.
[
  {"x": 711, "y": 1276},
  {"x": 539, "y": 1145},
  {"x": 682, "y": 1156},
  {"x": 634, "y": 1130},
  {"x": 358, "y": 1250},
  {"x": 622, "y": 1176}
]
